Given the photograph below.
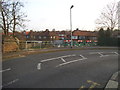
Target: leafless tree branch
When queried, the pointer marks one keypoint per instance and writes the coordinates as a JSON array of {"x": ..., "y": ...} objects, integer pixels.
[{"x": 108, "y": 17}]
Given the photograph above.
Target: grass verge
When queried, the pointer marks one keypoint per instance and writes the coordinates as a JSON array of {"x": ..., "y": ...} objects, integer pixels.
[{"x": 26, "y": 53}]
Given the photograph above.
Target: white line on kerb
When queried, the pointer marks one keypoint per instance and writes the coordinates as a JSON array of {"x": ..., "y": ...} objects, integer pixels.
[
  {"x": 9, "y": 83},
  {"x": 5, "y": 70},
  {"x": 57, "y": 58}
]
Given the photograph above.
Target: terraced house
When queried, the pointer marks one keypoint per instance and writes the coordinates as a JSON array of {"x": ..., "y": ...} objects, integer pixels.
[
  {"x": 83, "y": 38},
  {"x": 79, "y": 37}
]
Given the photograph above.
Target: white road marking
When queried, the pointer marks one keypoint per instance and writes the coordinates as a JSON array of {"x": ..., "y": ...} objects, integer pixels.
[
  {"x": 13, "y": 81},
  {"x": 70, "y": 62},
  {"x": 6, "y": 70},
  {"x": 63, "y": 60},
  {"x": 101, "y": 55},
  {"x": 116, "y": 53},
  {"x": 104, "y": 55},
  {"x": 57, "y": 58},
  {"x": 39, "y": 66},
  {"x": 83, "y": 57},
  {"x": 109, "y": 55}
]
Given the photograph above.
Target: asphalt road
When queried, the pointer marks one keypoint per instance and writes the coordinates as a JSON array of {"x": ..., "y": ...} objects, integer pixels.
[{"x": 65, "y": 69}]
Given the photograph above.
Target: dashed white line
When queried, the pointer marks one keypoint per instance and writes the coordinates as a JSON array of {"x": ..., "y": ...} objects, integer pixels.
[
  {"x": 9, "y": 83},
  {"x": 6, "y": 70}
]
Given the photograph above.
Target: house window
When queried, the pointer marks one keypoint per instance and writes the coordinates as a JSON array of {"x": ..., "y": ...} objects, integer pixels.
[
  {"x": 34, "y": 37},
  {"x": 62, "y": 38},
  {"x": 74, "y": 37},
  {"x": 81, "y": 37},
  {"x": 31, "y": 36},
  {"x": 61, "y": 35},
  {"x": 44, "y": 37},
  {"x": 40, "y": 37},
  {"x": 27, "y": 36},
  {"x": 54, "y": 37},
  {"x": 94, "y": 38}
]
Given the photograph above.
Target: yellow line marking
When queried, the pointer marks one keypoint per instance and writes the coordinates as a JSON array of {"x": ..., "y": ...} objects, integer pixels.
[
  {"x": 82, "y": 87},
  {"x": 93, "y": 84}
]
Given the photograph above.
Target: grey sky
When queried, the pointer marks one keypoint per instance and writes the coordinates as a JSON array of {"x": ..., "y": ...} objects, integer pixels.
[{"x": 55, "y": 14}]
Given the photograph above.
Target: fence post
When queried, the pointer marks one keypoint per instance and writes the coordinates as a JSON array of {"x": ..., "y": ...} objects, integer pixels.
[
  {"x": 34, "y": 44},
  {"x": 26, "y": 45},
  {"x": 40, "y": 45}
]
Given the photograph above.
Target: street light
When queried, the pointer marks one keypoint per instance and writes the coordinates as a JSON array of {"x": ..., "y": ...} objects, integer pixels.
[
  {"x": 71, "y": 24},
  {"x": 118, "y": 15}
]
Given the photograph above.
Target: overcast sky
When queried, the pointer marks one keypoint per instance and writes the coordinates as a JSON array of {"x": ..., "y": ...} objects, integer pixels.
[{"x": 55, "y": 14}]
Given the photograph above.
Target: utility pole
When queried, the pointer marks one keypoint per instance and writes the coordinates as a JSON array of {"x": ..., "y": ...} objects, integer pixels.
[{"x": 118, "y": 12}]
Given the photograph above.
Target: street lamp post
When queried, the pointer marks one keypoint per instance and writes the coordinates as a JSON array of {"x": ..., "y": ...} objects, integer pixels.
[
  {"x": 71, "y": 24},
  {"x": 118, "y": 15}
]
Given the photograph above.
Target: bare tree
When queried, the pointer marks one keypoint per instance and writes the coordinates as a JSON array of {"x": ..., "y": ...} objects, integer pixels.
[
  {"x": 108, "y": 17},
  {"x": 4, "y": 17},
  {"x": 11, "y": 15}
]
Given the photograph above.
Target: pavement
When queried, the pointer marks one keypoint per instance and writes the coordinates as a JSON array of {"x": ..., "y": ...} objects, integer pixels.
[{"x": 112, "y": 82}]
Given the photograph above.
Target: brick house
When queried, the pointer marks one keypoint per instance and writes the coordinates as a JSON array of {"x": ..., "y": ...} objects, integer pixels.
[
  {"x": 64, "y": 35},
  {"x": 46, "y": 35},
  {"x": 78, "y": 36},
  {"x": 84, "y": 35},
  {"x": 37, "y": 35},
  {"x": 81, "y": 38},
  {"x": 54, "y": 35}
]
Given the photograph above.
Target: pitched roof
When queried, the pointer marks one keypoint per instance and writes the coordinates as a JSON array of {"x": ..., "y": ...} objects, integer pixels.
[{"x": 84, "y": 33}]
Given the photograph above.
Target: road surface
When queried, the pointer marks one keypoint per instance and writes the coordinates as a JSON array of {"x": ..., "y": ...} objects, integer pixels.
[{"x": 66, "y": 69}]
